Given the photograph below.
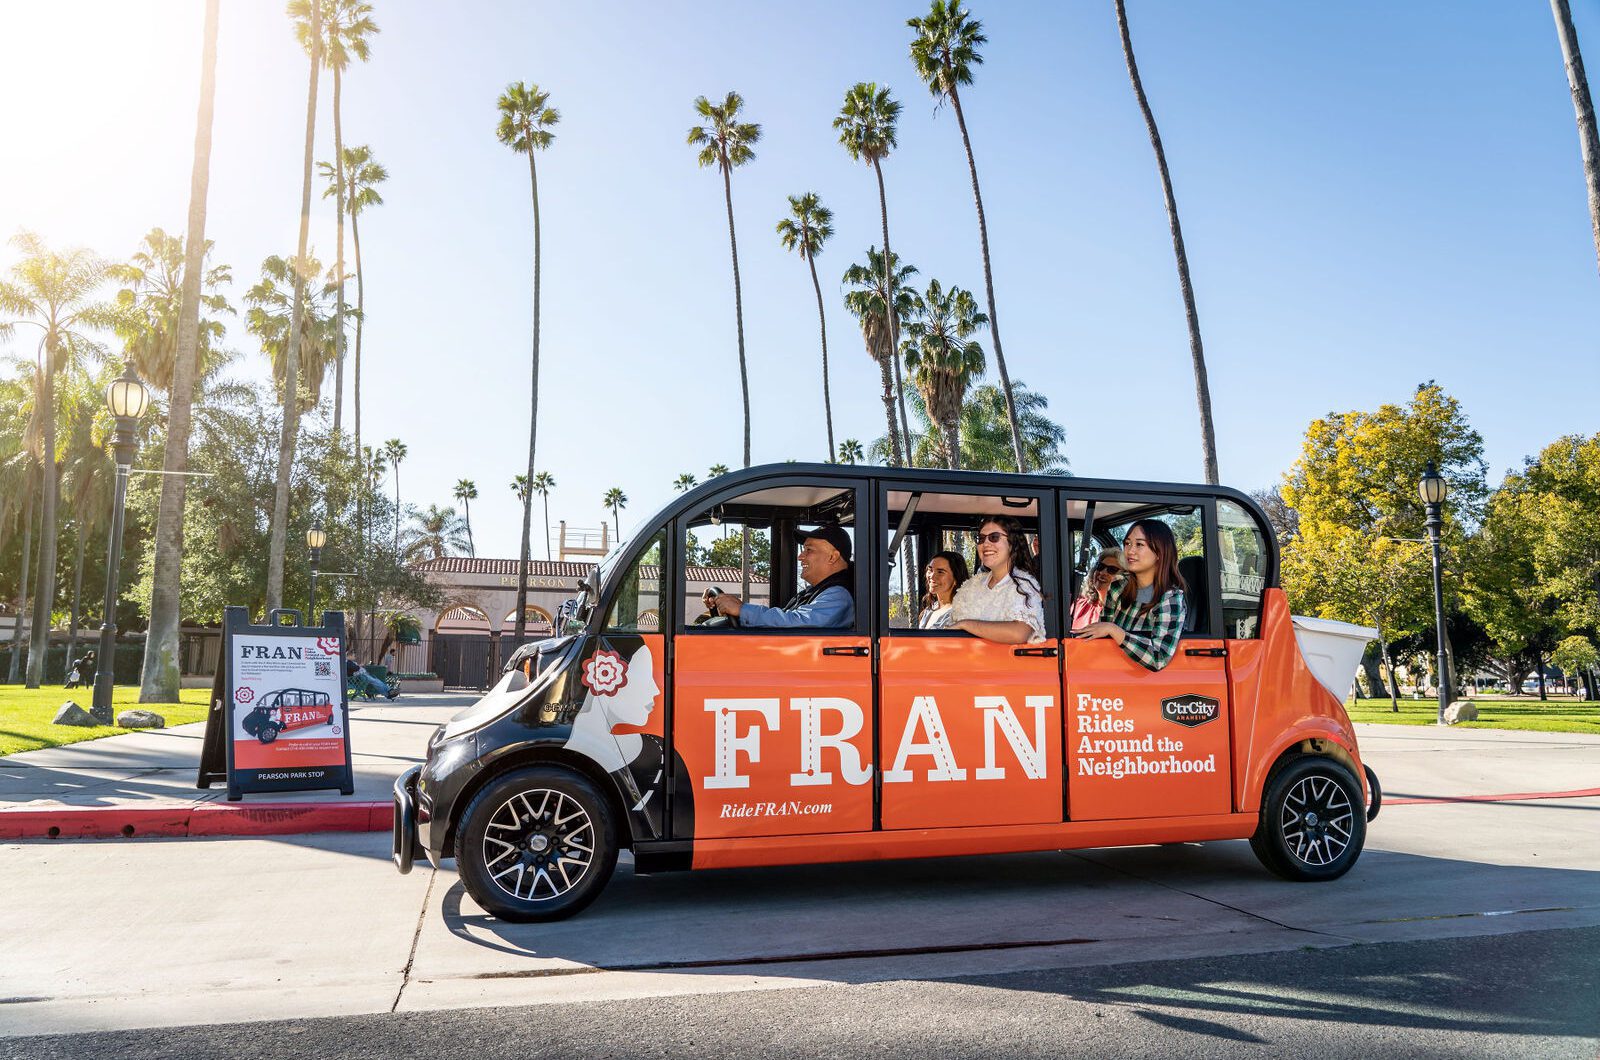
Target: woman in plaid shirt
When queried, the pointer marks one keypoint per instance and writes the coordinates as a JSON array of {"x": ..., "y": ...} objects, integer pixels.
[{"x": 1144, "y": 606}]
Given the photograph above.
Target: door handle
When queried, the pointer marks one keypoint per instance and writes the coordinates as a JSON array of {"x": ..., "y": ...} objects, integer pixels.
[
  {"x": 1045, "y": 653},
  {"x": 856, "y": 650},
  {"x": 1209, "y": 653}
]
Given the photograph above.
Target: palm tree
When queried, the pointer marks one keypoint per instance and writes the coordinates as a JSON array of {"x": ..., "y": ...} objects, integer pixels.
[
  {"x": 986, "y": 432},
  {"x": 525, "y": 121},
  {"x": 394, "y": 451},
  {"x": 1202, "y": 388},
  {"x": 866, "y": 125},
  {"x": 435, "y": 534},
  {"x": 943, "y": 358},
  {"x": 361, "y": 179},
  {"x": 717, "y": 470},
  {"x": 156, "y": 315},
  {"x": 307, "y": 16},
  {"x": 543, "y": 483},
  {"x": 272, "y": 299},
  {"x": 1578, "y": 83},
  {"x": 945, "y": 49},
  {"x": 466, "y": 492},
  {"x": 866, "y": 301},
  {"x": 808, "y": 226},
  {"x": 51, "y": 291},
  {"x": 616, "y": 500},
  {"x": 850, "y": 451},
  {"x": 684, "y": 483},
  {"x": 347, "y": 25},
  {"x": 727, "y": 143}
]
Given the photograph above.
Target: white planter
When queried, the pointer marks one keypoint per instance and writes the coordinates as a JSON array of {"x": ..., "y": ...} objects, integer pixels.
[
  {"x": 416, "y": 684},
  {"x": 1332, "y": 650}
]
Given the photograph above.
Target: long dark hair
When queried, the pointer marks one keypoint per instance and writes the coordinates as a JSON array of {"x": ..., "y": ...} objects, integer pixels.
[
  {"x": 1159, "y": 536},
  {"x": 958, "y": 573},
  {"x": 1022, "y": 558}
]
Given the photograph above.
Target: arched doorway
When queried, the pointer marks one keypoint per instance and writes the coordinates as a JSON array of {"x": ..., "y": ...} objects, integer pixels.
[
  {"x": 539, "y": 625},
  {"x": 462, "y": 647}
]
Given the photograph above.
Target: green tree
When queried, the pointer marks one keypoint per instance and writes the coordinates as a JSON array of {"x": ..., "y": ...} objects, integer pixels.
[
  {"x": 362, "y": 176},
  {"x": 869, "y": 284},
  {"x": 943, "y": 358},
  {"x": 1563, "y": 485},
  {"x": 944, "y": 50},
  {"x": 466, "y": 492},
  {"x": 809, "y": 226},
  {"x": 727, "y": 143},
  {"x": 394, "y": 451},
  {"x": 520, "y": 485},
  {"x": 1500, "y": 584},
  {"x": 52, "y": 291},
  {"x": 347, "y": 25},
  {"x": 986, "y": 432},
  {"x": 866, "y": 125},
  {"x": 526, "y": 120},
  {"x": 717, "y": 470},
  {"x": 543, "y": 483},
  {"x": 434, "y": 534},
  {"x": 271, "y": 300},
  {"x": 684, "y": 483},
  {"x": 1577, "y": 655},
  {"x": 850, "y": 450},
  {"x": 1202, "y": 387},
  {"x": 1583, "y": 105},
  {"x": 616, "y": 500},
  {"x": 307, "y": 17}
]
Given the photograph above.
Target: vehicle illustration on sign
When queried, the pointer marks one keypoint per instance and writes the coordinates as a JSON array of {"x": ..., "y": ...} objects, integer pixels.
[
  {"x": 893, "y": 731},
  {"x": 288, "y": 709}
]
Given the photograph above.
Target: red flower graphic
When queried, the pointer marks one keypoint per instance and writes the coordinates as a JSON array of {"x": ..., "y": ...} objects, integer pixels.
[
  {"x": 245, "y": 695},
  {"x": 605, "y": 673},
  {"x": 329, "y": 645}
]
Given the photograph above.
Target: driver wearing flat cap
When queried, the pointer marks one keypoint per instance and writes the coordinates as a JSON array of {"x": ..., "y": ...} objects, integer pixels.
[{"x": 826, "y": 601}]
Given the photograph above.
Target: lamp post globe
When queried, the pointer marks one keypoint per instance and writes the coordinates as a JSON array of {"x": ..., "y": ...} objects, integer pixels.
[
  {"x": 1432, "y": 488},
  {"x": 316, "y": 538},
  {"x": 127, "y": 397}
]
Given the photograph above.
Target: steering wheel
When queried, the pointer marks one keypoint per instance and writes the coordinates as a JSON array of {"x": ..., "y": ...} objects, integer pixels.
[{"x": 720, "y": 621}]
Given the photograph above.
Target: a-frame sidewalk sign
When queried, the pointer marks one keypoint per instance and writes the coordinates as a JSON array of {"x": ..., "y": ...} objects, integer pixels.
[{"x": 279, "y": 719}]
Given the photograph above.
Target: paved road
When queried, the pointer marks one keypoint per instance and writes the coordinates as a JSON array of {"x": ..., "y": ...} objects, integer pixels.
[
  {"x": 1525, "y": 994},
  {"x": 138, "y": 934}
]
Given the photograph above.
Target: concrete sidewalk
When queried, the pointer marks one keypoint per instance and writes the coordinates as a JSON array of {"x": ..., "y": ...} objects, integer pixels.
[{"x": 143, "y": 783}]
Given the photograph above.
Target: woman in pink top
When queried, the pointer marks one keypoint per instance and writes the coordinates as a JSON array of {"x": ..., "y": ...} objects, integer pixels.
[{"x": 1086, "y": 608}]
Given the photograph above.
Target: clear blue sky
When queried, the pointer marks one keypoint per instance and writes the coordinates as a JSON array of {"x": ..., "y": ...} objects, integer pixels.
[{"x": 1373, "y": 195}]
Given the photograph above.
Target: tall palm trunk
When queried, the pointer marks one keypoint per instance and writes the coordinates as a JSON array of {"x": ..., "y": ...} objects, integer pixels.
[
  {"x": 44, "y": 591},
  {"x": 1578, "y": 82},
  {"x": 291, "y": 355},
  {"x": 361, "y": 458},
  {"x": 338, "y": 309},
  {"x": 888, "y": 412},
  {"x": 397, "y": 509},
  {"x": 988, "y": 287},
  {"x": 545, "y": 498},
  {"x": 77, "y": 592},
  {"x": 533, "y": 421},
  {"x": 822, "y": 324},
  {"x": 952, "y": 442},
  {"x": 14, "y": 669},
  {"x": 161, "y": 675},
  {"x": 738, "y": 310},
  {"x": 1202, "y": 388},
  {"x": 894, "y": 317},
  {"x": 472, "y": 550}
]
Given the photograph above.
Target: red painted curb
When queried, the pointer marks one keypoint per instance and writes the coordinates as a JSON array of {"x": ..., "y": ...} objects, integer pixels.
[
  {"x": 1521, "y": 796},
  {"x": 199, "y": 819}
]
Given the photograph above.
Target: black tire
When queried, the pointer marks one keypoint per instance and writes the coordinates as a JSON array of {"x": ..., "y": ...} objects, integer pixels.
[
  {"x": 536, "y": 844},
  {"x": 268, "y": 733},
  {"x": 1313, "y": 820},
  {"x": 251, "y": 723}
]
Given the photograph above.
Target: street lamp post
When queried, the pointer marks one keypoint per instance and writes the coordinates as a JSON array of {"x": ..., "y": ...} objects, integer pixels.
[
  {"x": 316, "y": 537},
  {"x": 126, "y": 397},
  {"x": 1432, "y": 488}
]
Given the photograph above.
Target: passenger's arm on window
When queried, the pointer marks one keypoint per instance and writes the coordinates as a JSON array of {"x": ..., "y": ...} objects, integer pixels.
[{"x": 999, "y": 632}]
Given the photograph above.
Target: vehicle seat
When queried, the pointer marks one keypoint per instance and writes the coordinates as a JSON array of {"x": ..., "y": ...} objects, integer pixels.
[{"x": 1197, "y": 598}]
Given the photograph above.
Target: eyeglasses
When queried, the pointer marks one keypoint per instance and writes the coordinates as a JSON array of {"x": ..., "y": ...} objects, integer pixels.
[
  {"x": 993, "y": 538},
  {"x": 1106, "y": 568}
]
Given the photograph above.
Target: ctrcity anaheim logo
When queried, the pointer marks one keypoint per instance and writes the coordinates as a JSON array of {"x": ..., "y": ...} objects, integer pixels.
[{"x": 1190, "y": 710}]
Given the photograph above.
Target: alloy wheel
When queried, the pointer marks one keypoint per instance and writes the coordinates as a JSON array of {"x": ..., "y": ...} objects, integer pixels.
[{"x": 538, "y": 845}]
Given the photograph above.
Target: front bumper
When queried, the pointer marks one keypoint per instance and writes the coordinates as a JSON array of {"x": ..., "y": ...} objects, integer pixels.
[{"x": 403, "y": 848}]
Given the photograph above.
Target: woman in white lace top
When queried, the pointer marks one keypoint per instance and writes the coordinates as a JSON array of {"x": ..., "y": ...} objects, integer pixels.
[{"x": 1003, "y": 602}]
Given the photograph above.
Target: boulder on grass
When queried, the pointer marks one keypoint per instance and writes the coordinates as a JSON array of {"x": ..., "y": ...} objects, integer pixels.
[
  {"x": 1459, "y": 711},
  {"x": 141, "y": 719},
  {"x": 72, "y": 714}
]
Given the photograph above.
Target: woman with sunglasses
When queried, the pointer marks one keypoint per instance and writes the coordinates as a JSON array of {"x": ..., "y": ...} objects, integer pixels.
[
  {"x": 1003, "y": 602},
  {"x": 1145, "y": 604},
  {"x": 946, "y": 572},
  {"x": 1092, "y": 598}
]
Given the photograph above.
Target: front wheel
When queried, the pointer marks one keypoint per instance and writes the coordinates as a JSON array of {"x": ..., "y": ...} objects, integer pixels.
[
  {"x": 1313, "y": 821},
  {"x": 536, "y": 844}
]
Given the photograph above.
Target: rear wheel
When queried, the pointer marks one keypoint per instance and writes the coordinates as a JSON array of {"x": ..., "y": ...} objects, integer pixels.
[
  {"x": 536, "y": 844},
  {"x": 1313, "y": 820}
]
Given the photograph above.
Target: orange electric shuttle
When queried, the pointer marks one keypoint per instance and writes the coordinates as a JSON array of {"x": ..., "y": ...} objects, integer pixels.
[{"x": 821, "y": 708}]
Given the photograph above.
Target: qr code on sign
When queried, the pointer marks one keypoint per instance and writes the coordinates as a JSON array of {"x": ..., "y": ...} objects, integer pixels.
[{"x": 324, "y": 669}]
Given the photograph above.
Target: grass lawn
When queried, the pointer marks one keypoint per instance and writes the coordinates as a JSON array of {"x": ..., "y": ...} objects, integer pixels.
[
  {"x": 1558, "y": 714},
  {"x": 25, "y": 714}
]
